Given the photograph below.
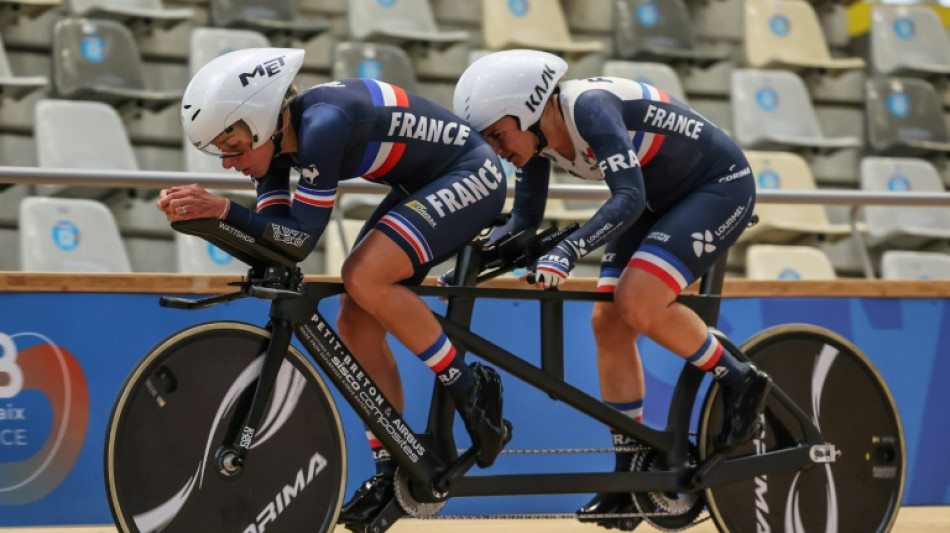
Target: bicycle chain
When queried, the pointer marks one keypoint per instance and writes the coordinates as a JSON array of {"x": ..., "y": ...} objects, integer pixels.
[
  {"x": 568, "y": 516},
  {"x": 528, "y": 451},
  {"x": 558, "y": 516}
]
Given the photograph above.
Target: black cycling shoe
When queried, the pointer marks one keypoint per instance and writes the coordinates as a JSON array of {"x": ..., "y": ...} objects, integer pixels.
[
  {"x": 615, "y": 503},
  {"x": 743, "y": 403},
  {"x": 480, "y": 409},
  {"x": 368, "y": 500}
]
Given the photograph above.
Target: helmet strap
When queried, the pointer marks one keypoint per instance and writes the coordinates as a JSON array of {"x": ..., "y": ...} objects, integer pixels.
[
  {"x": 542, "y": 140},
  {"x": 278, "y": 135},
  {"x": 536, "y": 127}
]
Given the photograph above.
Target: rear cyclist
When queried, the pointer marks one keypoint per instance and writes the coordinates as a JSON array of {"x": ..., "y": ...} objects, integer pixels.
[
  {"x": 447, "y": 184},
  {"x": 681, "y": 193}
]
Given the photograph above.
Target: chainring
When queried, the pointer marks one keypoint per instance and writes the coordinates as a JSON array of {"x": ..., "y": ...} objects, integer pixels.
[
  {"x": 680, "y": 509},
  {"x": 408, "y": 502}
]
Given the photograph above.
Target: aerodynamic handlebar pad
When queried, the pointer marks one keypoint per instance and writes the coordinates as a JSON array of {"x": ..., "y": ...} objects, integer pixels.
[{"x": 242, "y": 246}]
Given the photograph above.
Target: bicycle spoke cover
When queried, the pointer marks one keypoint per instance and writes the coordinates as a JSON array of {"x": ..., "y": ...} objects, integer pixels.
[
  {"x": 182, "y": 409},
  {"x": 838, "y": 389}
]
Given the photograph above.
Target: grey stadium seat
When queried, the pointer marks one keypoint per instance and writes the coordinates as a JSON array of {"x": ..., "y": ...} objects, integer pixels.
[
  {"x": 399, "y": 22},
  {"x": 908, "y": 40},
  {"x": 278, "y": 19},
  {"x": 904, "y": 117},
  {"x": 772, "y": 110},
  {"x": 646, "y": 30},
  {"x": 97, "y": 59}
]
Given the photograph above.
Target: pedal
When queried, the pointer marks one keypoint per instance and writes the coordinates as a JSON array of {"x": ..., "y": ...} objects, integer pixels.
[
  {"x": 824, "y": 453},
  {"x": 383, "y": 521}
]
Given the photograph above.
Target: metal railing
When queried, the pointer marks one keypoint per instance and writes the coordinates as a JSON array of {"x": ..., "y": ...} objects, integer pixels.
[{"x": 163, "y": 179}]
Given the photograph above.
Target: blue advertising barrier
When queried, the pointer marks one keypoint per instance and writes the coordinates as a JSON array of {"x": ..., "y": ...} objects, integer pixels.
[{"x": 63, "y": 357}]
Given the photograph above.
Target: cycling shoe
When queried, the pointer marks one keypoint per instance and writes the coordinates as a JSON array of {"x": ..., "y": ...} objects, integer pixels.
[
  {"x": 616, "y": 503},
  {"x": 369, "y": 500},
  {"x": 743, "y": 402},
  {"x": 480, "y": 409}
]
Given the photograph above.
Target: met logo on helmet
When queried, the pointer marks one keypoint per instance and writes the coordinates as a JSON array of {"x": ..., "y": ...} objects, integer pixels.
[
  {"x": 270, "y": 68},
  {"x": 537, "y": 95}
]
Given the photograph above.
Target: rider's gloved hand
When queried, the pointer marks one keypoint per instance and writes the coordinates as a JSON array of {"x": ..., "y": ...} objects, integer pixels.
[{"x": 553, "y": 267}]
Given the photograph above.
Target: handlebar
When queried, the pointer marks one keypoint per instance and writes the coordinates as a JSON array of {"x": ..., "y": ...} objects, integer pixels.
[{"x": 519, "y": 250}]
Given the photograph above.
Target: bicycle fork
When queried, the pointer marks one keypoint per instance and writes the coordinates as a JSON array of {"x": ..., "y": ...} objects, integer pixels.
[{"x": 230, "y": 458}]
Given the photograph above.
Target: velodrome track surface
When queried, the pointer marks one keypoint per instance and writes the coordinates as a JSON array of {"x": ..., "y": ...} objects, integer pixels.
[{"x": 909, "y": 520}]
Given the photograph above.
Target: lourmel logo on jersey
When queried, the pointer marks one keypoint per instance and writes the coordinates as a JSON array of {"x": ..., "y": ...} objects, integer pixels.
[
  {"x": 270, "y": 68},
  {"x": 702, "y": 243}
]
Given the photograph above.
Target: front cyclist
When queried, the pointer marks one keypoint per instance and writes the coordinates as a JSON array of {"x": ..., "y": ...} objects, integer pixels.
[
  {"x": 447, "y": 184},
  {"x": 681, "y": 193}
]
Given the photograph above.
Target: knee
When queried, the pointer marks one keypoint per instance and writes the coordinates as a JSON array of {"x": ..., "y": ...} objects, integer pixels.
[
  {"x": 356, "y": 280},
  {"x": 637, "y": 316},
  {"x": 608, "y": 326}
]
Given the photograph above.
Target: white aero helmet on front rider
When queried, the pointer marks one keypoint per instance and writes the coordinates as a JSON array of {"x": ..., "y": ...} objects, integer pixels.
[
  {"x": 245, "y": 85},
  {"x": 512, "y": 82}
]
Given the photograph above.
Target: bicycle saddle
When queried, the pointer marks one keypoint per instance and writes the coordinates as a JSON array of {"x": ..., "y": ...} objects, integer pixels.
[{"x": 242, "y": 246}]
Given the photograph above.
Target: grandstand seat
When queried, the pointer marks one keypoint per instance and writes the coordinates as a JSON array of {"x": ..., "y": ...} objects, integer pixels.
[
  {"x": 778, "y": 262},
  {"x": 63, "y": 141},
  {"x": 69, "y": 235},
  {"x": 195, "y": 255},
  {"x": 97, "y": 59},
  {"x": 13, "y": 86},
  {"x": 905, "y": 264},
  {"x": 278, "y": 19},
  {"x": 142, "y": 15},
  {"x": 207, "y": 43},
  {"x": 771, "y": 110},
  {"x": 904, "y": 117},
  {"x": 788, "y": 223},
  {"x": 908, "y": 41},
  {"x": 660, "y": 31},
  {"x": 901, "y": 226},
  {"x": 539, "y": 25},
  {"x": 786, "y": 34},
  {"x": 379, "y": 61},
  {"x": 398, "y": 22},
  {"x": 13, "y": 10},
  {"x": 657, "y": 74}
]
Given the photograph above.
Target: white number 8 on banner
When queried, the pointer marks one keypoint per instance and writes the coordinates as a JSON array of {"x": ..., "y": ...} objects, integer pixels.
[{"x": 10, "y": 386}]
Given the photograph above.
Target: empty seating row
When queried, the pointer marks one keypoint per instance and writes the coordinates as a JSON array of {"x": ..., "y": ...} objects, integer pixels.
[
  {"x": 790, "y": 263},
  {"x": 80, "y": 235}
]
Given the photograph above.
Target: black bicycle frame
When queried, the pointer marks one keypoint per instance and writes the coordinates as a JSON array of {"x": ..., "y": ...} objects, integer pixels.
[{"x": 430, "y": 459}]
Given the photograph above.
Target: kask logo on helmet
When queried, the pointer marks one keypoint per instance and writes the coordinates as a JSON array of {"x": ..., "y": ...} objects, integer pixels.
[
  {"x": 540, "y": 90},
  {"x": 271, "y": 68}
]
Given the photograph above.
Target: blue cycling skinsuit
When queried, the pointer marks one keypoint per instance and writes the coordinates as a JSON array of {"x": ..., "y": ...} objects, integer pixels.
[
  {"x": 447, "y": 183},
  {"x": 681, "y": 190}
]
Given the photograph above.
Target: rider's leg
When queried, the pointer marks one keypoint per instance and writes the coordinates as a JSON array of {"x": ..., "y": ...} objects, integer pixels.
[
  {"x": 649, "y": 305},
  {"x": 622, "y": 387},
  {"x": 377, "y": 303},
  {"x": 366, "y": 338},
  {"x": 372, "y": 276}
]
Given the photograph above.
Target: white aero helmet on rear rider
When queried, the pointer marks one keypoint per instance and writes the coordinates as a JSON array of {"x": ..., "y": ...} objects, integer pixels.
[
  {"x": 512, "y": 82},
  {"x": 245, "y": 85}
]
